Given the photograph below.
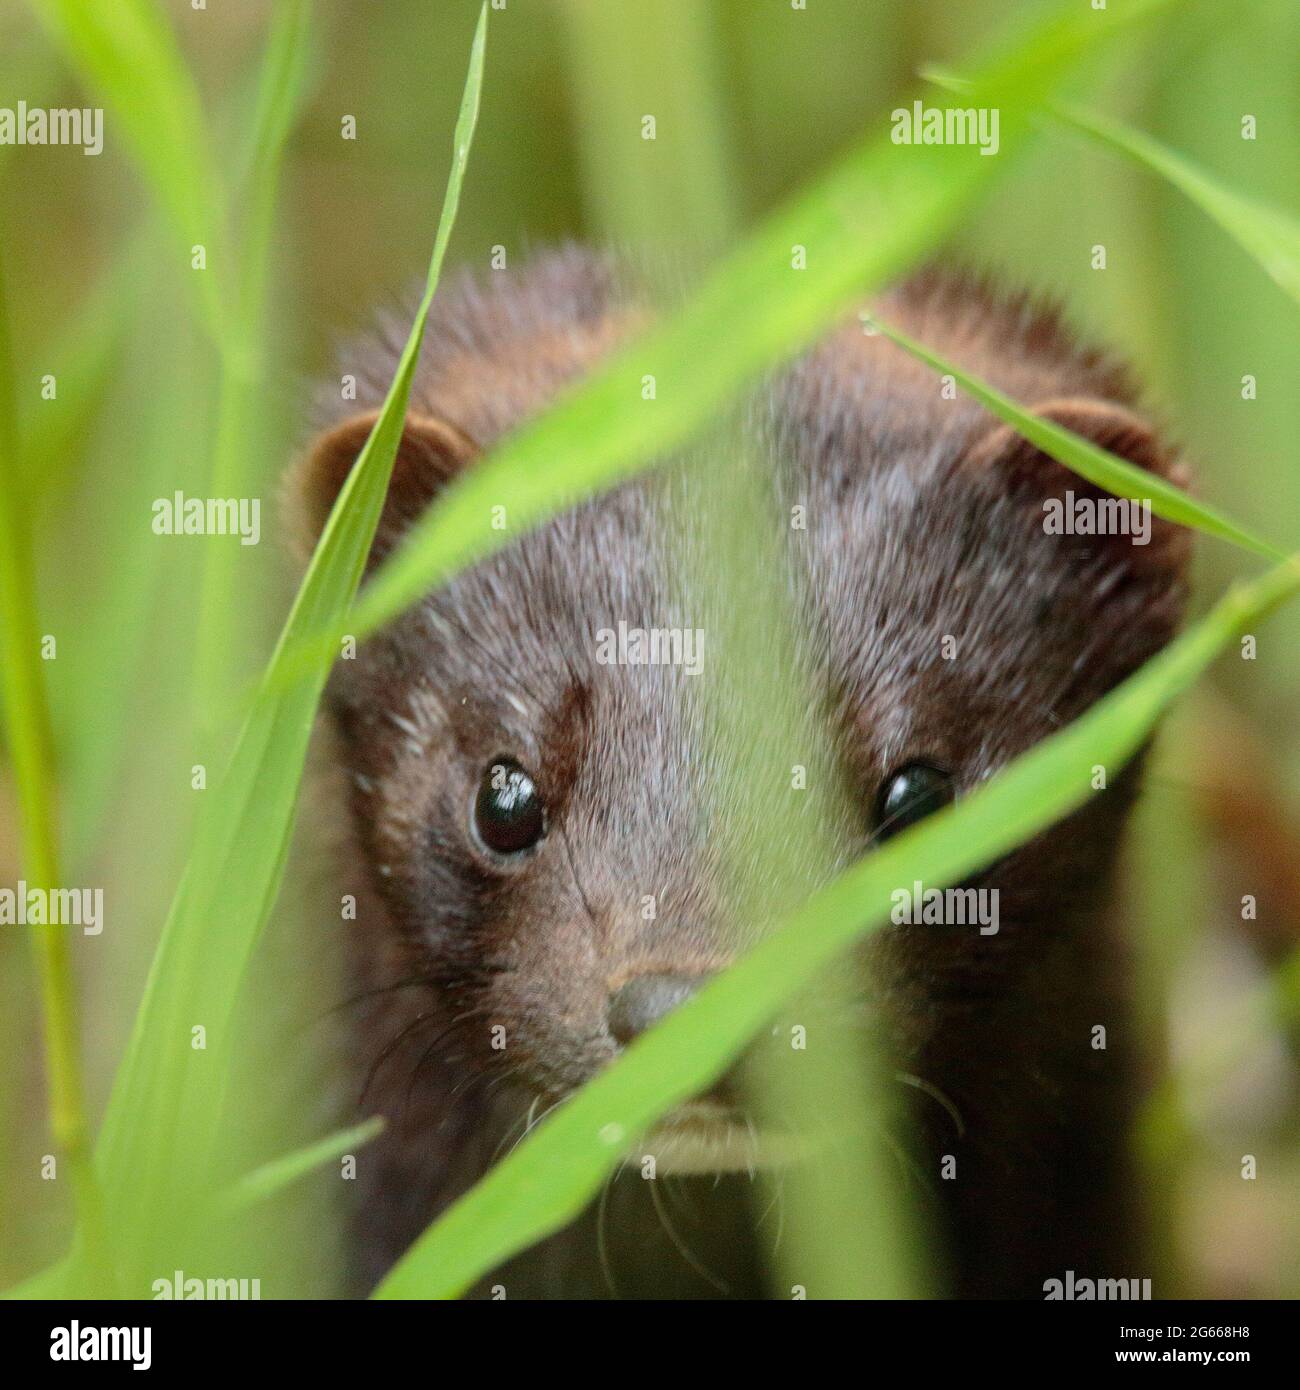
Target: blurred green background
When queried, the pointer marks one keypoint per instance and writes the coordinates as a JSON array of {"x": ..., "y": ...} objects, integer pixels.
[{"x": 752, "y": 97}]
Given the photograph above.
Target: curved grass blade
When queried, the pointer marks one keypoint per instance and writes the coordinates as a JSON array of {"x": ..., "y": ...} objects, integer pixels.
[
  {"x": 1270, "y": 236},
  {"x": 127, "y": 52},
  {"x": 165, "y": 1102},
  {"x": 274, "y": 1177},
  {"x": 238, "y": 437},
  {"x": 877, "y": 211},
  {"x": 1267, "y": 234},
  {"x": 280, "y": 88},
  {"x": 551, "y": 1176},
  {"x": 1085, "y": 458},
  {"x": 27, "y": 731}
]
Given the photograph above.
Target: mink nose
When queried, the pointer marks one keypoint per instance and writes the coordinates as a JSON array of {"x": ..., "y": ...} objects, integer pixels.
[{"x": 645, "y": 999}]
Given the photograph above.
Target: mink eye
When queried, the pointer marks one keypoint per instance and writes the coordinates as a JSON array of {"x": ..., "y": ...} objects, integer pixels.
[
  {"x": 909, "y": 794},
  {"x": 508, "y": 811}
]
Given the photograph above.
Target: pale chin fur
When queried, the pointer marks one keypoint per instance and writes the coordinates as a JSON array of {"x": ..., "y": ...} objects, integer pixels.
[{"x": 701, "y": 1137}]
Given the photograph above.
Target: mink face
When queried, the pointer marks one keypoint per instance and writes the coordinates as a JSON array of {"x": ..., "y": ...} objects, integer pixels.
[{"x": 517, "y": 800}]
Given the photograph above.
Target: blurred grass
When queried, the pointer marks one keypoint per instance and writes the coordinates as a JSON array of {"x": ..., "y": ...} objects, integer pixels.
[
  {"x": 550, "y": 1176},
  {"x": 1241, "y": 326},
  {"x": 673, "y": 195},
  {"x": 849, "y": 1226},
  {"x": 161, "y": 1123},
  {"x": 1270, "y": 237},
  {"x": 129, "y": 53},
  {"x": 777, "y": 91},
  {"x": 1081, "y": 456},
  {"x": 241, "y": 431},
  {"x": 29, "y": 743}
]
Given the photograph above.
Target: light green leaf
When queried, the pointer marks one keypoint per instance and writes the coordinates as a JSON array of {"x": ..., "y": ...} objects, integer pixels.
[
  {"x": 126, "y": 50},
  {"x": 165, "y": 1103},
  {"x": 274, "y": 1177},
  {"x": 238, "y": 441},
  {"x": 1269, "y": 235},
  {"x": 1266, "y": 233},
  {"x": 28, "y": 737},
  {"x": 876, "y": 212},
  {"x": 551, "y": 1176},
  {"x": 1085, "y": 458},
  {"x": 279, "y": 96}
]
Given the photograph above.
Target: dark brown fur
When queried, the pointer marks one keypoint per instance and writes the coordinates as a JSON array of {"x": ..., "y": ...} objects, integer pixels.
[{"x": 924, "y": 519}]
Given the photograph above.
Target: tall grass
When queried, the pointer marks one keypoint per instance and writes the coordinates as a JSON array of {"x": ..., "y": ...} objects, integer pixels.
[
  {"x": 237, "y": 859},
  {"x": 30, "y": 744},
  {"x": 549, "y": 1177},
  {"x": 845, "y": 1219},
  {"x": 1116, "y": 475},
  {"x": 878, "y": 209}
]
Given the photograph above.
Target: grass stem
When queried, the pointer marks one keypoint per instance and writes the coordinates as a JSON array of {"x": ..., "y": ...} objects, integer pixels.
[{"x": 31, "y": 749}]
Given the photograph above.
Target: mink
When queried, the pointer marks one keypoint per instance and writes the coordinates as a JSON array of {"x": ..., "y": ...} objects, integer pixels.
[{"x": 507, "y": 798}]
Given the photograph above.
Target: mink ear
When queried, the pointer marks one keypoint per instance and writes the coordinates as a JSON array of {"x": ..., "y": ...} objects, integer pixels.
[
  {"x": 431, "y": 452},
  {"x": 1025, "y": 472}
]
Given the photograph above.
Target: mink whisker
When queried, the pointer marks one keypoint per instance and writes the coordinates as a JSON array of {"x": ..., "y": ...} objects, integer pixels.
[
  {"x": 683, "y": 1249},
  {"x": 389, "y": 1048}
]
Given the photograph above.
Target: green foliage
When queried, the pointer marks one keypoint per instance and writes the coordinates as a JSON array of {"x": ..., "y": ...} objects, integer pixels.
[
  {"x": 549, "y": 1178},
  {"x": 127, "y": 53},
  {"x": 30, "y": 745},
  {"x": 878, "y": 209},
  {"x": 1085, "y": 458},
  {"x": 1269, "y": 236},
  {"x": 272, "y": 1178},
  {"x": 160, "y": 1124}
]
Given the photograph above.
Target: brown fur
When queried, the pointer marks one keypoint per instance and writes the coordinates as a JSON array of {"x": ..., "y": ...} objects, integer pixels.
[{"x": 924, "y": 520}]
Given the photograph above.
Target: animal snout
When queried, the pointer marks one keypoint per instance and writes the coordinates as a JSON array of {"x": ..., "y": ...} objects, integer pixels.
[{"x": 644, "y": 999}]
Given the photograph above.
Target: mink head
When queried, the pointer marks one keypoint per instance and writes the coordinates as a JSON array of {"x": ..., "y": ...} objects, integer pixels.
[{"x": 538, "y": 787}]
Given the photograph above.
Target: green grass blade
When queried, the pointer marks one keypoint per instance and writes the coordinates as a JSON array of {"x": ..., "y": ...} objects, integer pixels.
[
  {"x": 1270, "y": 236},
  {"x": 674, "y": 193},
  {"x": 165, "y": 1101},
  {"x": 128, "y": 54},
  {"x": 1085, "y": 458},
  {"x": 1267, "y": 234},
  {"x": 875, "y": 213},
  {"x": 279, "y": 97},
  {"x": 26, "y": 723},
  {"x": 551, "y": 1176},
  {"x": 280, "y": 88},
  {"x": 846, "y": 1222},
  {"x": 272, "y": 1178},
  {"x": 82, "y": 356}
]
